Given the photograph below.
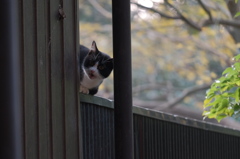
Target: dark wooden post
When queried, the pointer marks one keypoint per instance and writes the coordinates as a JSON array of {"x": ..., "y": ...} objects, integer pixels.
[
  {"x": 39, "y": 80},
  {"x": 10, "y": 117},
  {"x": 122, "y": 80}
]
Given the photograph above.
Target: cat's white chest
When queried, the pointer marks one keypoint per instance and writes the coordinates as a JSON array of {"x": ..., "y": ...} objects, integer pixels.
[{"x": 90, "y": 83}]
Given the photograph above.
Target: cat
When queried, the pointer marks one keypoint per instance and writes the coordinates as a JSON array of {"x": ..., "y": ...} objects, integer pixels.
[{"x": 94, "y": 67}]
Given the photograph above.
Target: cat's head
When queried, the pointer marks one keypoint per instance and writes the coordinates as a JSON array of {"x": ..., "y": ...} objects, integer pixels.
[{"x": 97, "y": 64}]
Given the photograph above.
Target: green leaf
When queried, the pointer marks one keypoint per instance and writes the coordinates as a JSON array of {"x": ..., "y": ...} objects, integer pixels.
[
  {"x": 207, "y": 100},
  {"x": 238, "y": 83},
  {"x": 220, "y": 117},
  {"x": 237, "y": 65},
  {"x": 221, "y": 109},
  {"x": 213, "y": 109},
  {"x": 236, "y": 15},
  {"x": 237, "y": 95},
  {"x": 212, "y": 115},
  {"x": 236, "y": 107},
  {"x": 224, "y": 88},
  {"x": 231, "y": 74},
  {"x": 229, "y": 111},
  {"x": 227, "y": 70},
  {"x": 238, "y": 56},
  {"x": 206, "y": 113},
  {"x": 225, "y": 103},
  {"x": 210, "y": 95},
  {"x": 214, "y": 103},
  {"x": 222, "y": 106}
]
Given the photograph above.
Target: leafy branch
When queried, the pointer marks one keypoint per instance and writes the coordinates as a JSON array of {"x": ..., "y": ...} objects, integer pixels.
[{"x": 223, "y": 97}]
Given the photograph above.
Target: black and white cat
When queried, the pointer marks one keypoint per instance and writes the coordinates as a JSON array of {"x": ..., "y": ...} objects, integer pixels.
[{"x": 95, "y": 66}]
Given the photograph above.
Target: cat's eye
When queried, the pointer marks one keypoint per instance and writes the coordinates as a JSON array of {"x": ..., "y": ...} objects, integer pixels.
[{"x": 101, "y": 67}]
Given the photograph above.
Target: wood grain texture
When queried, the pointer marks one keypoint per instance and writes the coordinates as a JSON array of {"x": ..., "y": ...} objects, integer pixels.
[{"x": 51, "y": 125}]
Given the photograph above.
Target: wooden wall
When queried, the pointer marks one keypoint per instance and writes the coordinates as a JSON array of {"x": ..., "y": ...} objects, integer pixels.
[{"x": 50, "y": 105}]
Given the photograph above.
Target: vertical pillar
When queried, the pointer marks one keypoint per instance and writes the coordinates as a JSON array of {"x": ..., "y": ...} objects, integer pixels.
[
  {"x": 10, "y": 81},
  {"x": 122, "y": 79}
]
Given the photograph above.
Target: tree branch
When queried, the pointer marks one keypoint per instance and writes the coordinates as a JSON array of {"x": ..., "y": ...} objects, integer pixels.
[
  {"x": 179, "y": 15},
  {"x": 233, "y": 7},
  {"x": 100, "y": 9},
  {"x": 187, "y": 21},
  {"x": 156, "y": 11},
  {"x": 221, "y": 21},
  {"x": 205, "y": 9},
  {"x": 219, "y": 7},
  {"x": 184, "y": 94},
  {"x": 158, "y": 105}
]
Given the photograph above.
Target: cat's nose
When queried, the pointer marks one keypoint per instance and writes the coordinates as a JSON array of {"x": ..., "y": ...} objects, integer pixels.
[{"x": 92, "y": 71}]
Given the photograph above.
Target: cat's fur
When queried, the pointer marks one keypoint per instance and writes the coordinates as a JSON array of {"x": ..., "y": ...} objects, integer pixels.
[{"x": 94, "y": 67}]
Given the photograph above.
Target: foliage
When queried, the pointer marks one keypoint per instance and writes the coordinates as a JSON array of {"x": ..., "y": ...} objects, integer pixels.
[
  {"x": 223, "y": 98},
  {"x": 237, "y": 14},
  {"x": 168, "y": 56}
]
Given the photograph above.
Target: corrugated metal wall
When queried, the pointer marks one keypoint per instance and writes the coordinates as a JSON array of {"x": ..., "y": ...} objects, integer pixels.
[
  {"x": 155, "y": 139},
  {"x": 98, "y": 132},
  {"x": 156, "y": 135},
  {"x": 49, "y": 79}
]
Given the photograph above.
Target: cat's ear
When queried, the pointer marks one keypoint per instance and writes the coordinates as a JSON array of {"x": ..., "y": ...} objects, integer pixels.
[{"x": 94, "y": 47}]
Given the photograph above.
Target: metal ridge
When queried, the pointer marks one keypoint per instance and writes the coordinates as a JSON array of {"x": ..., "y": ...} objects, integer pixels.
[
  {"x": 96, "y": 100},
  {"x": 163, "y": 116}
]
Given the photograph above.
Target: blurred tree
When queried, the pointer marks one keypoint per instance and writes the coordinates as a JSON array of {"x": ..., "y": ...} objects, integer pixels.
[
  {"x": 185, "y": 32},
  {"x": 178, "y": 47}
]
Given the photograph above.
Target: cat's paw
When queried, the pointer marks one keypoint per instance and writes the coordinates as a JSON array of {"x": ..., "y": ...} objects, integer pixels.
[{"x": 84, "y": 90}]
